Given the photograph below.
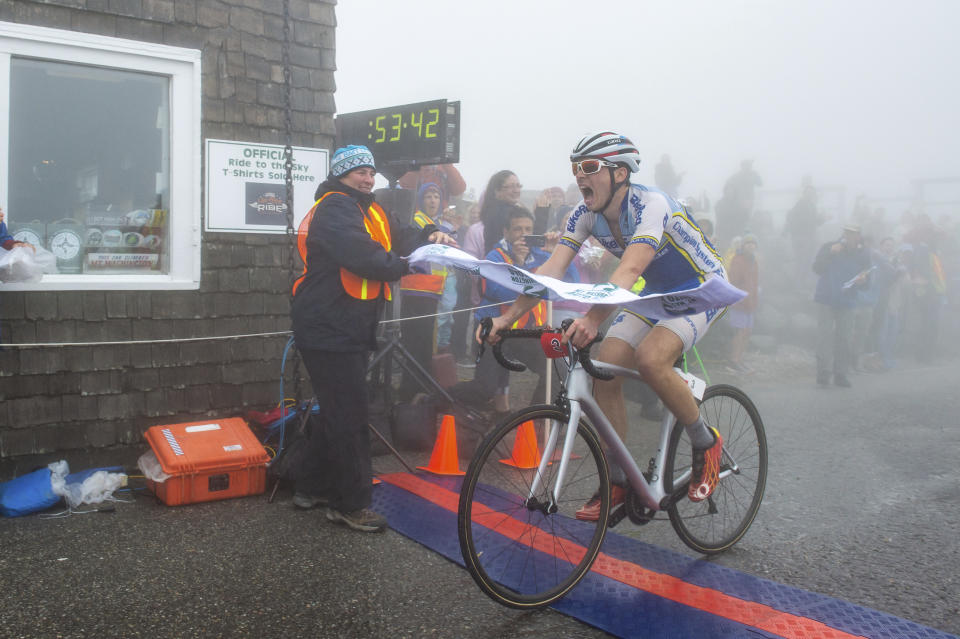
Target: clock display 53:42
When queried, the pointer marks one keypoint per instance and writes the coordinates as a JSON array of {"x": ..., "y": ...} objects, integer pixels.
[{"x": 391, "y": 127}]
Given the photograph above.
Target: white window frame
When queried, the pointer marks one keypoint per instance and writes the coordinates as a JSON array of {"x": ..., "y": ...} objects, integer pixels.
[{"x": 182, "y": 67}]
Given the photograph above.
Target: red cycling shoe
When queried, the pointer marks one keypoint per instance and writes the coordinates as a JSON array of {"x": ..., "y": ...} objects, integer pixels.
[
  {"x": 590, "y": 511},
  {"x": 706, "y": 469}
]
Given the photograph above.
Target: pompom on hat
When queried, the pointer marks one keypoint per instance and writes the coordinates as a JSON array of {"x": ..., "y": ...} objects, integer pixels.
[{"x": 350, "y": 157}]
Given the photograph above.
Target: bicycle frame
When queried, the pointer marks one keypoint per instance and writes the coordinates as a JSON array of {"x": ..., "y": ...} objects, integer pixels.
[
  {"x": 525, "y": 534},
  {"x": 579, "y": 395}
]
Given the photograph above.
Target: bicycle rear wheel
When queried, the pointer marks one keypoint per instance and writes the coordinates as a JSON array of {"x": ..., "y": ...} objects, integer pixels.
[
  {"x": 718, "y": 522},
  {"x": 523, "y": 548}
]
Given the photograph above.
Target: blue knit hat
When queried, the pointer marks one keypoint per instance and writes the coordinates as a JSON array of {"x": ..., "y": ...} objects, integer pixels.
[
  {"x": 428, "y": 186},
  {"x": 350, "y": 157}
]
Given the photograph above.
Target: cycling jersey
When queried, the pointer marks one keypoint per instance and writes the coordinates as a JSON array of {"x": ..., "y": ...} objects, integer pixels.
[{"x": 684, "y": 257}]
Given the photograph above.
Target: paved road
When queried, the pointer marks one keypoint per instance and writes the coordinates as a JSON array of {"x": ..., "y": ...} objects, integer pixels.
[
  {"x": 239, "y": 568},
  {"x": 863, "y": 497},
  {"x": 862, "y": 504}
]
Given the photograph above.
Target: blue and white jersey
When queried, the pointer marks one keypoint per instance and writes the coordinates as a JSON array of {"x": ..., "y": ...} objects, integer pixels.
[{"x": 684, "y": 257}]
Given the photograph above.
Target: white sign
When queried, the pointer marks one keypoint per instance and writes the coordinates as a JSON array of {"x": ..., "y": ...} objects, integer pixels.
[
  {"x": 246, "y": 190},
  {"x": 122, "y": 260}
]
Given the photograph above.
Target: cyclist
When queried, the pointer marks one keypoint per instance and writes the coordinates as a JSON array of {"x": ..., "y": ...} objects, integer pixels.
[{"x": 661, "y": 249}]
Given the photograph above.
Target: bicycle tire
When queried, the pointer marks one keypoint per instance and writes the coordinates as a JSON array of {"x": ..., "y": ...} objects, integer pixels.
[
  {"x": 717, "y": 523},
  {"x": 520, "y": 554}
]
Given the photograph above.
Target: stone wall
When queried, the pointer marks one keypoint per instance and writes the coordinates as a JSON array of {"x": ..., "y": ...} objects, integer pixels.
[{"x": 68, "y": 398}]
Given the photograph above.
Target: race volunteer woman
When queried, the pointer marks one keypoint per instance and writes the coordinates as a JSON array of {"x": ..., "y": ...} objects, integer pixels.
[{"x": 351, "y": 250}]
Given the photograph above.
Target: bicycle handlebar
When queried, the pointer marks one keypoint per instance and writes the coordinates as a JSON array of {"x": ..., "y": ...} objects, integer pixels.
[{"x": 583, "y": 354}]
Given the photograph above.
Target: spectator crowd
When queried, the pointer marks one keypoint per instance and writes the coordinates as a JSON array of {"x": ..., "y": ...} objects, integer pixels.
[{"x": 874, "y": 289}]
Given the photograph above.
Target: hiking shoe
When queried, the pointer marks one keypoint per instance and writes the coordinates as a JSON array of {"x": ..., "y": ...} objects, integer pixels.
[
  {"x": 590, "y": 511},
  {"x": 706, "y": 469},
  {"x": 363, "y": 519},
  {"x": 303, "y": 501}
]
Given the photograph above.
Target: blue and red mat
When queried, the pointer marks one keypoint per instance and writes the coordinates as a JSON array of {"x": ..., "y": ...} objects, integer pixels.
[{"x": 639, "y": 590}]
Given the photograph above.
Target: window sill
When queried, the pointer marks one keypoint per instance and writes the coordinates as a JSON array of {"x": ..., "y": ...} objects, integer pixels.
[{"x": 103, "y": 283}]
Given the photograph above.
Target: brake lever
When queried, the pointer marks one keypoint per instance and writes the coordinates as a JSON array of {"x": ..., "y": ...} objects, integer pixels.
[
  {"x": 571, "y": 349},
  {"x": 587, "y": 363},
  {"x": 583, "y": 354}
]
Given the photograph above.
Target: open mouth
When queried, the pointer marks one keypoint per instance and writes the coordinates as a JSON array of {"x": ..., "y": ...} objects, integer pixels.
[{"x": 587, "y": 194}]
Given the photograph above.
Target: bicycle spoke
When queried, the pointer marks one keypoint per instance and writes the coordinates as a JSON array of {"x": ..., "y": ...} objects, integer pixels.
[
  {"x": 720, "y": 521},
  {"x": 524, "y": 553}
]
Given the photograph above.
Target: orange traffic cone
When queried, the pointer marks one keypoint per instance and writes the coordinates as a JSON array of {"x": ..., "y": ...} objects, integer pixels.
[
  {"x": 525, "y": 453},
  {"x": 444, "y": 460}
]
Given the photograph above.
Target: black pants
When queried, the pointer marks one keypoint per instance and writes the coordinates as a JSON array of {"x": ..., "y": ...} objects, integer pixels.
[
  {"x": 835, "y": 335},
  {"x": 338, "y": 466},
  {"x": 418, "y": 338},
  {"x": 461, "y": 321}
]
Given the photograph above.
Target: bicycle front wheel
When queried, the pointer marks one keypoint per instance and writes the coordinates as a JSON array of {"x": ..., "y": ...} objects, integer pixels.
[
  {"x": 519, "y": 536},
  {"x": 718, "y": 522}
]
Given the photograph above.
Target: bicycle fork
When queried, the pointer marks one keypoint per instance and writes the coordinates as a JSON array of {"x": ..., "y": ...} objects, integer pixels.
[{"x": 547, "y": 458}]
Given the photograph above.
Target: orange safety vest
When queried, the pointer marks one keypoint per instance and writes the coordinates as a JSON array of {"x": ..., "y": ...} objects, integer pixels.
[
  {"x": 536, "y": 316},
  {"x": 375, "y": 222},
  {"x": 431, "y": 283}
]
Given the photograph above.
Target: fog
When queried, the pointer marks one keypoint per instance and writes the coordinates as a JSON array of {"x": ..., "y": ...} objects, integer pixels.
[{"x": 856, "y": 94}]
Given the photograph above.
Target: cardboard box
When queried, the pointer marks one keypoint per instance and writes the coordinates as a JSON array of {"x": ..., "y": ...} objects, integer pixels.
[{"x": 207, "y": 461}]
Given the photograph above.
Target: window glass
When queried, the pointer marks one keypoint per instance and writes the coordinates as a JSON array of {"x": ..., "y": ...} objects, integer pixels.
[{"x": 89, "y": 170}]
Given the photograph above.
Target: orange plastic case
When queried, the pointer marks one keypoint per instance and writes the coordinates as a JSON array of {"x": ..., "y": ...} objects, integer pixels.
[{"x": 207, "y": 460}]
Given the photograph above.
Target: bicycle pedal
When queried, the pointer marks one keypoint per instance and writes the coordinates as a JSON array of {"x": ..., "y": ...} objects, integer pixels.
[{"x": 616, "y": 516}]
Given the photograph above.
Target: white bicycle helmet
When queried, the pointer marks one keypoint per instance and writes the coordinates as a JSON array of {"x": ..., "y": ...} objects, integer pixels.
[{"x": 608, "y": 146}]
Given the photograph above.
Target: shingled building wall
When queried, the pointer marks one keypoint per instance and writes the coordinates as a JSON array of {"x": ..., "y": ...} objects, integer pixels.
[{"x": 65, "y": 398}]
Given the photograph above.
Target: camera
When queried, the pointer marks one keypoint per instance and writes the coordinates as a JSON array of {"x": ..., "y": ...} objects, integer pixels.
[{"x": 538, "y": 241}]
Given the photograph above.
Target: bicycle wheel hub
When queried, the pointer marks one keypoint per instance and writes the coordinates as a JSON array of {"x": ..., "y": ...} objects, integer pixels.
[{"x": 545, "y": 507}]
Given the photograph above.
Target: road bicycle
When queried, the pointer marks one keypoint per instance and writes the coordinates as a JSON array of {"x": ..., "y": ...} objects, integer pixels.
[{"x": 516, "y": 523}]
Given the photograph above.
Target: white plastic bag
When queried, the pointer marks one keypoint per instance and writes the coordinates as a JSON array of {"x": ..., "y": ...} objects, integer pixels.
[
  {"x": 149, "y": 465},
  {"x": 23, "y": 264},
  {"x": 95, "y": 489},
  {"x": 58, "y": 476}
]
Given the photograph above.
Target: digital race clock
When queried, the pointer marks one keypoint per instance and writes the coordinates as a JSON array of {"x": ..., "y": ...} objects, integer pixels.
[{"x": 422, "y": 133}]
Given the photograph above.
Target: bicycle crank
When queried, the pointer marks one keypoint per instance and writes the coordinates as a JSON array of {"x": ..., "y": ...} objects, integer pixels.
[{"x": 634, "y": 509}]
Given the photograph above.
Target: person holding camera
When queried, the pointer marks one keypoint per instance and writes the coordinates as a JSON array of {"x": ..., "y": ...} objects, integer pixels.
[
  {"x": 843, "y": 266},
  {"x": 517, "y": 247}
]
